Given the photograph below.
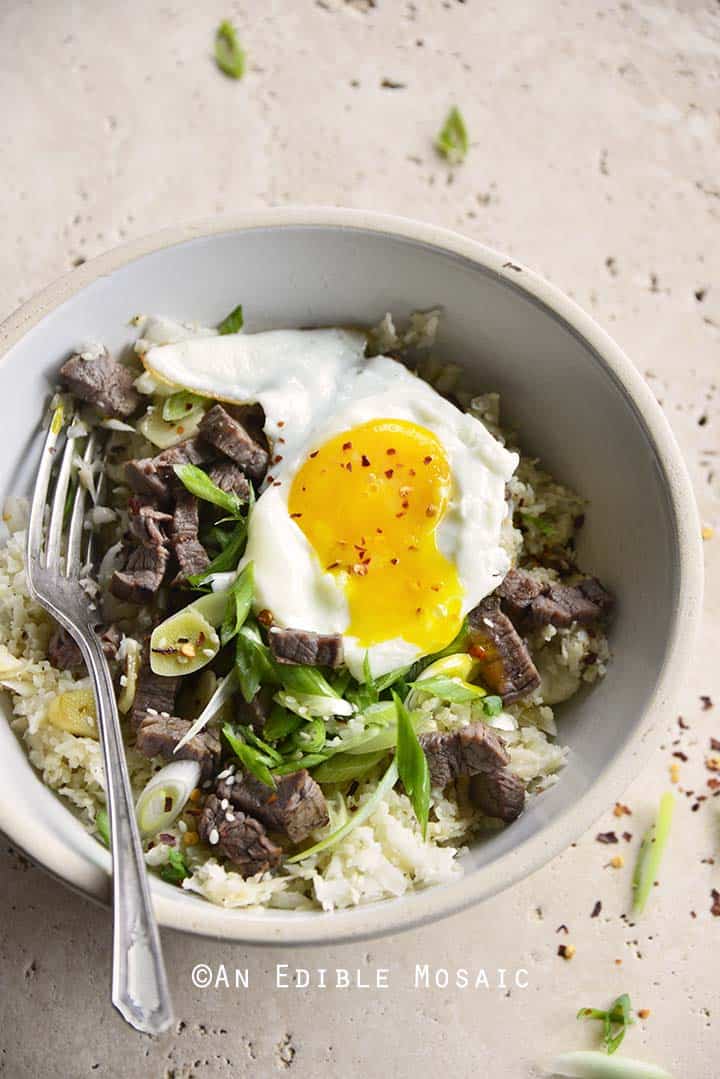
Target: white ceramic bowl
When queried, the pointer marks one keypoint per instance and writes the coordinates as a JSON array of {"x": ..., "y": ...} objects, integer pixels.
[{"x": 568, "y": 390}]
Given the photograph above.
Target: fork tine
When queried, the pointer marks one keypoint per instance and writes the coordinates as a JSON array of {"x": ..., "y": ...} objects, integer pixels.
[
  {"x": 73, "y": 557},
  {"x": 42, "y": 482},
  {"x": 57, "y": 512}
]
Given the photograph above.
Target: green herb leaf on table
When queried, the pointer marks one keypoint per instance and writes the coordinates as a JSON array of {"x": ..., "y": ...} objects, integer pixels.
[
  {"x": 412, "y": 765},
  {"x": 179, "y": 405},
  {"x": 175, "y": 869},
  {"x": 229, "y": 55},
  {"x": 651, "y": 852},
  {"x": 615, "y": 1020},
  {"x": 238, "y": 604},
  {"x": 452, "y": 141},
  {"x": 252, "y": 759},
  {"x": 233, "y": 322}
]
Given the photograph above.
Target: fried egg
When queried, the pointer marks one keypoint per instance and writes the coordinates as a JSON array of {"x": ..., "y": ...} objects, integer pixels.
[{"x": 381, "y": 519}]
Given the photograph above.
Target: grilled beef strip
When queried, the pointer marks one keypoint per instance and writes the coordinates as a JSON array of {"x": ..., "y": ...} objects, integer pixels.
[
  {"x": 531, "y": 604},
  {"x": 506, "y": 666},
  {"x": 154, "y": 476},
  {"x": 65, "y": 655},
  {"x": 157, "y": 736},
  {"x": 255, "y": 713},
  {"x": 102, "y": 382},
  {"x": 301, "y": 646},
  {"x": 155, "y": 694},
  {"x": 498, "y": 793},
  {"x": 462, "y": 752},
  {"x": 241, "y": 839},
  {"x": 295, "y": 808},
  {"x": 230, "y": 478},
  {"x": 146, "y": 564},
  {"x": 231, "y": 438},
  {"x": 190, "y": 554}
]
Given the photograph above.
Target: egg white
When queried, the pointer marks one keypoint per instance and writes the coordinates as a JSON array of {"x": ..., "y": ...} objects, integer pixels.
[{"x": 314, "y": 384}]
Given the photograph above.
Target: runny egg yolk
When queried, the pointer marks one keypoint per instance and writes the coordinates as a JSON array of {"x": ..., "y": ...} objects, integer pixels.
[{"x": 369, "y": 502}]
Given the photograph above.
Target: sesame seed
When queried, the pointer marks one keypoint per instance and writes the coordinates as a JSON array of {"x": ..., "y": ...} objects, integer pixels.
[
  {"x": 230, "y": 817},
  {"x": 224, "y": 774},
  {"x": 214, "y": 837},
  {"x": 151, "y": 711},
  {"x": 182, "y": 827},
  {"x": 224, "y": 804}
]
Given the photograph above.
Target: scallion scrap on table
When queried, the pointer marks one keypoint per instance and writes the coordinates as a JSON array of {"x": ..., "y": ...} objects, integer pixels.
[
  {"x": 452, "y": 140},
  {"x": 229, "y": 54},
  {"x": 615, "y": 1021},
  {"x": 651, "y": 852}
]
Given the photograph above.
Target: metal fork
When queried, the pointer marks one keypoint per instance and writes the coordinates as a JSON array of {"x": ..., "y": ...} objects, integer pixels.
[{"x": 54, "y": 571}]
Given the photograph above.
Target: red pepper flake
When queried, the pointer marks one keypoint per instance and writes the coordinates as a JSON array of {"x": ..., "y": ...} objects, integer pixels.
[
  {"x": 627, "y": 836},
  {"x": 314, "y": 453},
  {"x": 379, "y": 531},
  {"x": 715, "y": 908},
  {"x": 389, "y": 472},
  {"x": 347, "y": 445},
  {"x": 265, "y": 617},
  {"x": 180, "y": 430},
  {"x": 427, "y": 460},
  {"x": 596, "y": 909},
  {"x": 683, "y": 756},
  {"x": 681, "y": 723},
  {"x": 477, "y": 651},
  {"x": 270, "y": 480},
  {"x": 606, "y": 837},
  {"x": 281, "y": 423},
  {"x": 348, "y": 466},
  {"x": 431, "y": 511},
  {"x": 277, "y": 460},
  {"x": 271, "y": 799},
  {"x": 412, "y": 472},
  {"x": 398, "y": 515},
  {"x": 296, "y": 515},
  {"x": 713, "y": 784},
  {"x": 621, "y": 810},
  {"x": 365, "y": 461},
  {"x": 562, "y": 929},
  {"x": 277, "y": 483},
  {"x": 566, "y": 951},
  {"x": 390, "y": 452},
  {"x": 418, "y": 610},
  {"x": 715, "y": 744},
  {"x": 706, "y": 702},
  {"x": 168, "y": 803},
  {"x": 281, "y": 439},
  {"x": 393, "y": 561}
]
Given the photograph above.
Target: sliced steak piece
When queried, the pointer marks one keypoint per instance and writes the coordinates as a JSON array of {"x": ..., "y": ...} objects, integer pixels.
[
  {"x": 531, "y": 604},
  {"x": 230, "y": 478},
  {"x": 256, "y": 713},
  {"x": 463, "y": 752},
  {"x": 65, "y": 655},
  {"x": 506, "y": 666},
  {"x": 155, "y": 694},
  {"x": 146, "y": 524},
  {"x": 102, "y": 382},
  {"x": 190, "y": 554},
  {"x": 229, "y": 436},
  {"x": 241, "y": 839},
  {"x": 142, "y": 576},
  {"x": 295, "y": 808},
  {"x": 154, "y": 475},
  {"x": 157, "y": 736},
  {"x": 498, "y": 793},
  {"x": 301, "y": 646}
]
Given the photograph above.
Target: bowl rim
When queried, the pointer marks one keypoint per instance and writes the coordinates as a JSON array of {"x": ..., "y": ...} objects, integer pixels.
[{"x": 414, "y": 909}]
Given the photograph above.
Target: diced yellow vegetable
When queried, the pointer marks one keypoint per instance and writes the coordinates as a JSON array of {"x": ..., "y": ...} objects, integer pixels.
[{"x": 74, "y": 712}]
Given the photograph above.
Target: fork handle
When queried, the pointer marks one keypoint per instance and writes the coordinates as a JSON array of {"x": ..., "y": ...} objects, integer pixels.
[{"x": 139, "y": 982}]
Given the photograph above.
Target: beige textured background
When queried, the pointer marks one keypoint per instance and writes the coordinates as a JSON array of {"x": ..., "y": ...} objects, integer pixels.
[{"x": 595, "y": 131}]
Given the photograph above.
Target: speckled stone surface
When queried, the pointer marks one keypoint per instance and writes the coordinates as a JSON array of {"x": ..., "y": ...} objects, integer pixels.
[{"x": 595, "y": 151}]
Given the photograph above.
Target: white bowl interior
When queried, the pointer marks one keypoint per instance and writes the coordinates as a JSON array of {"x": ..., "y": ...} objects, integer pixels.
[{"x": 569, "y": 407}]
